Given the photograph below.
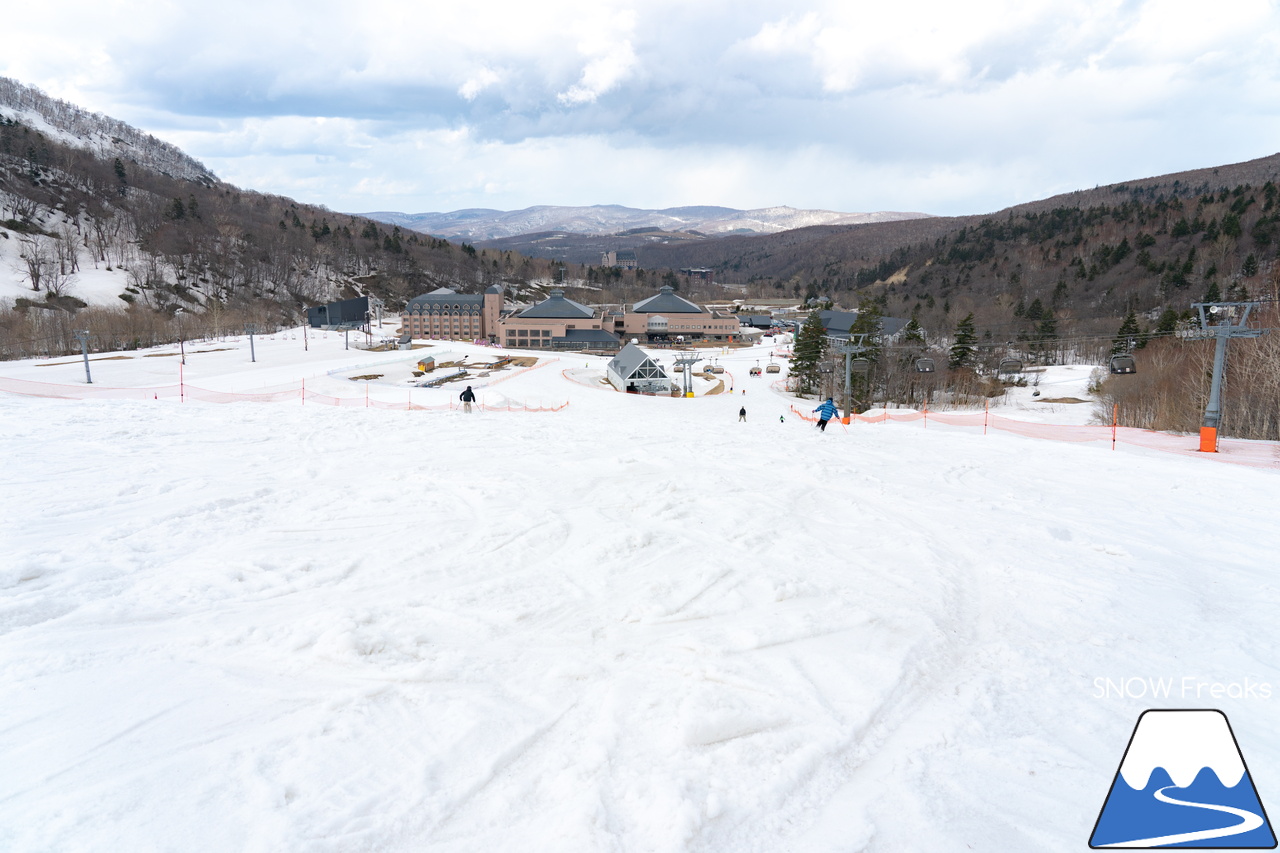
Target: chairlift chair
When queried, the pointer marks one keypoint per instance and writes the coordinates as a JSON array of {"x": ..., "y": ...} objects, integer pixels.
[
  {"x": 860, "y": 365},
  {"x": 773, "y": 368},
  {"x": 1121, "y": 364},
  {"x": 925, "y": 365},
  {"x": 1010, "y": 365}
]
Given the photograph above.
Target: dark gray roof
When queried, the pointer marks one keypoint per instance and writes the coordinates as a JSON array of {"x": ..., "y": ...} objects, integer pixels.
[
  {"x": 588, "y": 336},
  {"x": 838, "y": 322},
  {"x": 556, "y": 307},
  {"x": 760, "y": 321},
  {"x": 666, "y": 302},
  {"x": 892, "y": 325},
  {"x": 628, "y": 359},
  {"x": 445, "y": 299}
]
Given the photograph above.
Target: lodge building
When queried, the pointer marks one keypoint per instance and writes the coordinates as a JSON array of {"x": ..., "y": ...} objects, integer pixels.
[{"x": 558, "y": 322}]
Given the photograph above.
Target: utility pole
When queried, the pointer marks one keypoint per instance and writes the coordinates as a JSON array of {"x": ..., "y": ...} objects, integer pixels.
[
  {"x": 83, "y": 336},
  {"x": 251, "y": 329},
  {"x": 1220, "y": 321}
]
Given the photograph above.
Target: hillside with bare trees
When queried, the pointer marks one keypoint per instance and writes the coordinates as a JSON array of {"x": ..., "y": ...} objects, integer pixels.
[{"x": 81, "y": 191}]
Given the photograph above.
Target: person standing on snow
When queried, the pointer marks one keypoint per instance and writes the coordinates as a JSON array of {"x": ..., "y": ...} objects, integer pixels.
[
  {"x": 742, "y": 413},
  {"x": 826, "y": 412},
  {"x": 467, "y": 397}
]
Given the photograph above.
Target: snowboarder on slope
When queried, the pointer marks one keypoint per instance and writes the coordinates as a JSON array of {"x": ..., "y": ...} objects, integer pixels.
[
  {"x": 467, "y": 397},
  {"x": 826, "y": 412},
  {"x": 742, "y": 413}
]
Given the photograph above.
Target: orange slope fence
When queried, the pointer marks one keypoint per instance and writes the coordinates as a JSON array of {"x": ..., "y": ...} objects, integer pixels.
[
  {"x": 1255, "y": 454},
  {"x": 290, "y": 392}
]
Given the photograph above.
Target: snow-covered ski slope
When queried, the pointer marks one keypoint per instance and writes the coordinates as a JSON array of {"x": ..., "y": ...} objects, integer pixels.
[{"x": 633, "y": 624}]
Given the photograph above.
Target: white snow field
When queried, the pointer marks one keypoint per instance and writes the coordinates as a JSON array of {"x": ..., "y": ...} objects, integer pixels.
[{"x": 634, "y": 624}]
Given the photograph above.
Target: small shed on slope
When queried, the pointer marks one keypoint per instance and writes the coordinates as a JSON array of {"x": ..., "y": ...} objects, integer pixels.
[{"x": 631, "y": 370}]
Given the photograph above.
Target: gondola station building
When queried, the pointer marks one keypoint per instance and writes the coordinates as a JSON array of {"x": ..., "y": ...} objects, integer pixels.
[{"x": 633, "y": 371}]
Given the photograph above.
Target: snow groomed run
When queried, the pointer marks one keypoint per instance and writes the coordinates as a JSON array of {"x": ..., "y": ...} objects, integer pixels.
[{"x": 635, "y": 623}]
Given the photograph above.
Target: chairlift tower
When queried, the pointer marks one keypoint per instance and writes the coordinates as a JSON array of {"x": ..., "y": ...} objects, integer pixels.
[
  {"x": 684, "y": 362},
  {"x": 848, "y": 347},
  {"x": 1220, "y": 321}
]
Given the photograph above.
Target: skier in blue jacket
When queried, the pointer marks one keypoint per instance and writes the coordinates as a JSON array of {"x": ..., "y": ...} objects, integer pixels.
[{"x": 826, "y": 412}]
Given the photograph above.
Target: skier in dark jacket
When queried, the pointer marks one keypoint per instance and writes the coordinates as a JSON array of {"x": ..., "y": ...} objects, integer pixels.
[
  {"x": 826, "y": 412},
  {"x": 742, "y": 413},
  {"x": 467, "y": 397}
]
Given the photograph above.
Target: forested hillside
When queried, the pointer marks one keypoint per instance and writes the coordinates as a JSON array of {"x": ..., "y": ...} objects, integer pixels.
[
  {"x": 83, "y": 195},
  {"x": 1087, "y": 257}
]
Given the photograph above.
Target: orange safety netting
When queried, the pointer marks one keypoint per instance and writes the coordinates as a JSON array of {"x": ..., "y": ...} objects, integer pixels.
[
  {"x": 1256, "y": 454},
  {"x": 276, "y": 394}
]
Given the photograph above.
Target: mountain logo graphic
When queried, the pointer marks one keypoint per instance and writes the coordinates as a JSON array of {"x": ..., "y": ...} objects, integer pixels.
[{"x": 1183, "y": 783}]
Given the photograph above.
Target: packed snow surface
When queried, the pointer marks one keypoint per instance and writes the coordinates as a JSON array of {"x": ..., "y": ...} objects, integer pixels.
[{"x": 634, "y": 624}]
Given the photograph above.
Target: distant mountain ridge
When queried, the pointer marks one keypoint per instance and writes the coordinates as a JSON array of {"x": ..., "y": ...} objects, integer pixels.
[{"x": 478, "y": 224}]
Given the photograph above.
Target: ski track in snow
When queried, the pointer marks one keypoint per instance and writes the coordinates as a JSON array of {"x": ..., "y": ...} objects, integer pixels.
[{"x": 635, "y": 624}]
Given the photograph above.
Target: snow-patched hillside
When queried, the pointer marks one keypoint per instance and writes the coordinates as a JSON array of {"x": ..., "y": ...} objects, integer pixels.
[
  {"x": 633, "y": 624},
  {"x": 94, "y": 284},
  {"x": 483, "y": 224},
  {"x": 106, "y": 137}
]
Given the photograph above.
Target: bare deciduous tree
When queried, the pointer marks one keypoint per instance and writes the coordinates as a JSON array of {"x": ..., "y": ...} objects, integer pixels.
[{"x": 37, "y": 259}]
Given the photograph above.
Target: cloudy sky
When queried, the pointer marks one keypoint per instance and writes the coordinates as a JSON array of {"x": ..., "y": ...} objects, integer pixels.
[{"x": 942, "y": 107}]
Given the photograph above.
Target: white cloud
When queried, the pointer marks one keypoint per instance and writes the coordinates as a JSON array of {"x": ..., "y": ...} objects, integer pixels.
[
  {"x": 601, "y": 75},
  {"x": 478, "y": 82},
  {"x": 939, "y": 106}
]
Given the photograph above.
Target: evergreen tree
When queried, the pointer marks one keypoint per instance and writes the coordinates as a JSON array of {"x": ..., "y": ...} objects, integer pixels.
[
  {"x": 1212, "y": 293},
  {"x": 1168, "y": 322},
  {"x": 962, "y": 350},
  {"x": 1044, "y": 334},
  {"x": 807, "y": 352},
  {"x": 868, "y": 323},
  {"x": 913, "y": 333},
  {"x": 1127, "y": 336},
  {"x": 1231, "y": 226},
  {"x": 1250, "y": 267}
]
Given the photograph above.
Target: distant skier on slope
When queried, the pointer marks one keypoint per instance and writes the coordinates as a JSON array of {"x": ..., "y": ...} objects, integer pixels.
[
  {"x": 467, "y": 397},
  {"x": 826, "y": 412},
  {"x": 742, "y": 413}
]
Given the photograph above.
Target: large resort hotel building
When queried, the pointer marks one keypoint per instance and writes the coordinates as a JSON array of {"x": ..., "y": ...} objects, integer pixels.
[
  {"x": 447, "y": 315},
  {"x": 560, "y": 323}
]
